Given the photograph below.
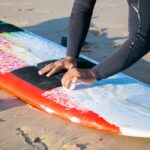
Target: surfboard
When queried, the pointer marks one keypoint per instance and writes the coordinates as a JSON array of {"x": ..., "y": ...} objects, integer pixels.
[{"x": 119, "y": 104}]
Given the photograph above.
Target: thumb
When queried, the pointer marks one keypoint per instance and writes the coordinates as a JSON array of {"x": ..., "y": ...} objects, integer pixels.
[{"x": 76, "y": 80}]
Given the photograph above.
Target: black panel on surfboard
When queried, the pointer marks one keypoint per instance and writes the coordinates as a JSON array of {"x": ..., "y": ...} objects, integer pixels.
[
  {"x": 30, "y": 74},
  {"x": 8, "y": 28},
  {"x": 84, "y": 64}
]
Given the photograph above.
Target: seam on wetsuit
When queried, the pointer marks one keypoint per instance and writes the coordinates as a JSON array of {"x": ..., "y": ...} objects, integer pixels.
[{"x": 135, "y": 4}]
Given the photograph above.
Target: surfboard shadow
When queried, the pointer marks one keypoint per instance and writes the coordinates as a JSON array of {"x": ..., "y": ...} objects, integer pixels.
[
  {"x": 55, "y": 29},
  {"x": 4, "y": 27},
  {"x": 10, "y": 103}
]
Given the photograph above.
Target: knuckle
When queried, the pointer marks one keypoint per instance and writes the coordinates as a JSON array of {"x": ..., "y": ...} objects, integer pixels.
[
  {"x": 48, "y": 66},
  {"x": 59, "y": 64}
]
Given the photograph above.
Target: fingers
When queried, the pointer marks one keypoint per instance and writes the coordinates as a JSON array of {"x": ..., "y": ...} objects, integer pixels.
[
  {"x": 55, "y": 67},
  {"x": 68, "y": 81},
  {"x": 46, "y": 69},
  {"x": 67, "y": 84},
  {"x": 50, "y": 70},
  {"x": 71, "y": 77},
  {"x": 54, "y": 70}
]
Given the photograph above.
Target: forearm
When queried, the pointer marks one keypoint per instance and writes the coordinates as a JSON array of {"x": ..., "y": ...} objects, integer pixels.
[
  {"x": 78, "y": 25},
  {"x": 136, "y": 46},
  {"x": 130, "y": 52}
]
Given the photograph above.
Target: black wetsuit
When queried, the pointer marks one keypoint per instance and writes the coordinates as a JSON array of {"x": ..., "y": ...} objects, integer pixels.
[{"x": 136, "y": 46}]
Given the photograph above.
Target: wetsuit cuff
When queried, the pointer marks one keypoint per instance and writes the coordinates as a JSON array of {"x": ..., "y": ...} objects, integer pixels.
[{"x": 97, "y": 73}]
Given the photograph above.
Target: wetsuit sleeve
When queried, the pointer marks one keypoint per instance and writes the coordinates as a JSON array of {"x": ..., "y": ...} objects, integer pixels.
[
  {"x": 78, "y": 25},
  {"x": 136, "y": 46}
]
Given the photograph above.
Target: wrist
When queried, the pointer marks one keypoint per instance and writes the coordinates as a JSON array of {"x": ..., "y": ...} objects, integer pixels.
[
  {"x": 96, "y": 73},
  {"x": 70, "y": 58},
  {"x": 93, "y": 74},
  {"x": 69, "y": 62}
]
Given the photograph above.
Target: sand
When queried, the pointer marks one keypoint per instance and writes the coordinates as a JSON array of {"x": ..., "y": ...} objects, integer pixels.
[{"x": 24, "y": 127}]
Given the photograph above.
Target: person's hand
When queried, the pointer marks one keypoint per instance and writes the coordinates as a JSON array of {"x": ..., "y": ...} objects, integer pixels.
[
  {"x": 74, "y": 75},
  {"x": 66, "y": 63}
]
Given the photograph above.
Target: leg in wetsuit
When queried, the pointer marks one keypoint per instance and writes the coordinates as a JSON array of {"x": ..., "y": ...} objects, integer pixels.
[{"x": 136, "y": 46}]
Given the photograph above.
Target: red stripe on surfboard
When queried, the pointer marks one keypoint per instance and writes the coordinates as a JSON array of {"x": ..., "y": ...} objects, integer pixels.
[{"x": 33, "y": 96}]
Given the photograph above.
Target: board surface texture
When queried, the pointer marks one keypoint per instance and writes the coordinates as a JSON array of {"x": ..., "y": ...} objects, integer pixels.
[{"x": 119, "y": 104}]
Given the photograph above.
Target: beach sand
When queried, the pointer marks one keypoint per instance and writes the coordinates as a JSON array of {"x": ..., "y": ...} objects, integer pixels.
[{"x": 24, "y": 127}]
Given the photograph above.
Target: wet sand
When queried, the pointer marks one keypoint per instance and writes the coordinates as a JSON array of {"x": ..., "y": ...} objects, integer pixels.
[{"x": 24, "y": 127}]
